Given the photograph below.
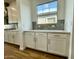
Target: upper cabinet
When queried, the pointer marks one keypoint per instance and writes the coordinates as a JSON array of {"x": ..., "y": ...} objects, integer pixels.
[{"x": 13, "y": 13}]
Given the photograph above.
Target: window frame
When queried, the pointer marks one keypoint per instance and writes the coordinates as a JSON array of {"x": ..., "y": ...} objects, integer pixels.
[{"x": 54, "y": 13}]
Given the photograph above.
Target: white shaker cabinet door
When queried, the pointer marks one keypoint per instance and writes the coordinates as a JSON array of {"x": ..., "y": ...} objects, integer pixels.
[
  {"x": 11, "y": 37},
  {"x": 29, "y": 39},
  {"x": 16, "y": 38},
  {"x": 58, "y": 44},
  {"x": 41, "y": 41},
  {"x": 5, "y": 36}
]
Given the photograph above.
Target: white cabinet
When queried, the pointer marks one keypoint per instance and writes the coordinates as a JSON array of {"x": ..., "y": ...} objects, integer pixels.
[
  {"x": 29, "y": 40},
  {"x": 36, "y": 40},
  {"x": 6, "y": 36},
  {"x": 58, "y": 43},
  {"x": 16, "y": 38},
  {"x": 11, "y": 37},
  {"x": 41, "y": 41}
]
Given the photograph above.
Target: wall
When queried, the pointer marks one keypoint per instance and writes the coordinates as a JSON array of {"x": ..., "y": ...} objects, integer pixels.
[
  {"x": 69, "y": 9},
  {"x": 24, "y": 8},
  {"x": 68, "y": 15}
]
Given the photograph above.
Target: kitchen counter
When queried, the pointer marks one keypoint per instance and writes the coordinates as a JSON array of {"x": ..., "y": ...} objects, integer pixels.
[
  {"x": 54, "y": 31},
  {"x": 11, "y": 30}
]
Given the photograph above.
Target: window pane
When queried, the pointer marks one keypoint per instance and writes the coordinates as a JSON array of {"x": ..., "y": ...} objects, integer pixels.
[
  {"x": 45, "y": 9},
  {"x": 53, "y": 6},
  {"x": 48, "y": 7}
]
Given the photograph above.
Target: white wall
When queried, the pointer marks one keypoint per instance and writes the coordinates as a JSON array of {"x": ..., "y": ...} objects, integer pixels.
[
  {"x": 25, "y": 22},
  {"x": 69, "y": 7},
  {"x": 68, "y": 15}
]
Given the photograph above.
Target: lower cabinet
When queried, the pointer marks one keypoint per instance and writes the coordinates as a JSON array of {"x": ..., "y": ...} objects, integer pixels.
[
  {"x": 58, "y": 44},
  {"x": 50, "y": 42},
  {"x": 16, "y": 38},
  {"x": 36, "y": 40},
  {"x": 29, "y": 40},
  {"x": 41, "y": 41},
  {"x": 11, "y": 37},
  {"x": 6, "y": 36}
]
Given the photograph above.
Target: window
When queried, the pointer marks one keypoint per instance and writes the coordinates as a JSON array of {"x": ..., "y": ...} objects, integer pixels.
[{"x": 48, "y": 12}]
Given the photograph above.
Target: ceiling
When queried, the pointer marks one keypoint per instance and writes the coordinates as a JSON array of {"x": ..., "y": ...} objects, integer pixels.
[
  {"x": 9, "y": 1},
  {"x": 41, "y": 1},
  {"x": 38, "y": 1}
]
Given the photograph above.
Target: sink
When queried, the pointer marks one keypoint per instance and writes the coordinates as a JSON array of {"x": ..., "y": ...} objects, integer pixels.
[{"x": 9, "y": 26}]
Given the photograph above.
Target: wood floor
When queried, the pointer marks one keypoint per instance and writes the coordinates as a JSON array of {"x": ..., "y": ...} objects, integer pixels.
[{"x": 13, "y": 52}]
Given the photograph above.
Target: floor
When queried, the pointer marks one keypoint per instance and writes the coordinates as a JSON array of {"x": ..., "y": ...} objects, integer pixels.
[{"x": 13, "y": 52}]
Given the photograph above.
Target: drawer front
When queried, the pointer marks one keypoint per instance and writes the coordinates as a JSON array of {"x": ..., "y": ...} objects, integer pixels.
[
  {"x": 29, "y": 39},
  {"x": 57, "y": 46},
  {"x": 58, "y": 36},
  {"x": 40, "y": 34},
  {"x": 29, "y": 34}
]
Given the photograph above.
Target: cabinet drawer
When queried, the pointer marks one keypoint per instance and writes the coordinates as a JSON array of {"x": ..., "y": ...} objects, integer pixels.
[
  {"x": 62, "y": 36},
  {"x": 29, "y": 33},
  {"x": 41, "y": 34},
  {"x": 6, "y": 36}
]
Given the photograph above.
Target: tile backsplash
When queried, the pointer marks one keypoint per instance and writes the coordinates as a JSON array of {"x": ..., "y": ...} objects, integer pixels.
[{"x": 58, "y": 26}]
